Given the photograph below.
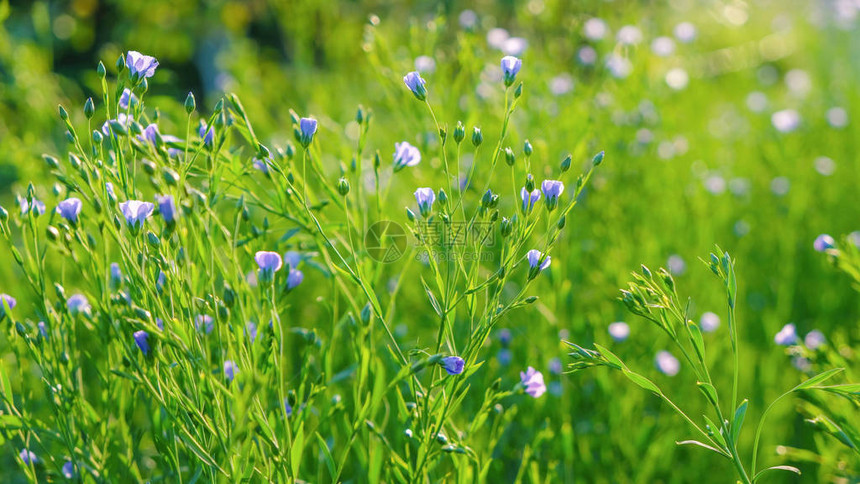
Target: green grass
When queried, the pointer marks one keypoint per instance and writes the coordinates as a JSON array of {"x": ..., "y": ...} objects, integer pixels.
[{"x": 353, "y": 348}]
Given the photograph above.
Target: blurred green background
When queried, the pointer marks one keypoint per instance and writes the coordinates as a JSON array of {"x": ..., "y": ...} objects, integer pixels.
[{"x": 692, "y": 159}]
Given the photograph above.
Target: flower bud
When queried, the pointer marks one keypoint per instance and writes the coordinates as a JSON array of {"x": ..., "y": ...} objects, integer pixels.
[
  {"x": 565, "y": 164},
  {"x": 4, "y": 215},
  {"x": 190, "y": 103},
  {"x": 101, "y": 70},
  {"x": 598, "y": 158},
  {"x": 506, "y": 227},
  {"x": 120, "y": 63},
  {"x": 443, "y": 135},
  {"x": 343, "y": 186},
  {"x": 477, "y": 137},
  {"x": 527, "y": 148},
  {"x": 410, "y": 214},
  {"x": 459, "y": 132},
  {"x": 89, "y": 108},
  {"x": 530, "y": 183},
  {"x": 63, "y": 114},
  {"x": 510, "y": 158},
  {"x": 443, "y": 198}
]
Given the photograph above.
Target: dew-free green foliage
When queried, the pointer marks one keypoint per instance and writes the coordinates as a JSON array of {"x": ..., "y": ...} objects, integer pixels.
[{"x": 203, "y": 362}]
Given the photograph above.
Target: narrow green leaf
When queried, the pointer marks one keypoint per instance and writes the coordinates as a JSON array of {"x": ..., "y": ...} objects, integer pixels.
[
  {"x": 777, "y": 468},
  {"x": 819, "y": 378},
  {"x": 329, "y": 460},
  {"x": 738, "y": 421}
]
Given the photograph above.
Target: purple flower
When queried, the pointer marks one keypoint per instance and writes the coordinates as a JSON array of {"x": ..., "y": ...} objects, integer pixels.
[
  {"x": 207, "y": 133},
  {"x": 510, "y": 66},
  {"x": 78, "y": 304},
  {"x": 141, "y": 338},
  {"x": 167, "y": 208},
  {"x": 69, "y": 209},
  {"x": 6, "y": 301},
  {"x": 405, "y": 155},
  {"x": 160, "y": 323},
  {"x": 136, "y": 212},
  {"x": 415, "y": 84},
  {"x": 150, "y": 135},
  {"x": 294, "y": 278},
  {"x": 619, "y": 331},
  {"x": 532, "y": 380},
  {"x": 68, "y": 470},
  {"x": 823, "y": 243},
  {"x": 110, "y": 192},
  {"x": 43, "y": 329},
  {"x": 288, "y": 409},
  {"x": 504, "y": 336},
  {"x": 787, "y": 336},
  {"x": 269, "y": 263},
  {"x": 529, "y": 199},
  {"x": 425, "y": 198},
  {"x": 126, "y": 97},
  {"x": 552, "y": 189},
  {"x": 505, "y": 356},
  {"x": 537, "y": 262},
  {"x": 115, "y": 275},
  {"x": 37, "y": 207},
  {"x": 251, "y": 330},
  {"x": 292, "y": 258},
  {"x": 667, "y": 364},
  {"x": 230, "y": 370},
  {"x": 453, "y": 364},
  {"x": 709, "y": 322},
  {"x": 555, "y": 366},
  {"x": 307, "y": 129},
  {"x": 28, "y": 456},
  {"x": 814, "y": 339},
  {"x": 262, "y": 165},
  {"x": 139, "y": 65},
  {"x": 204, "y": 322},
  {"x": 160, "y": 281}
]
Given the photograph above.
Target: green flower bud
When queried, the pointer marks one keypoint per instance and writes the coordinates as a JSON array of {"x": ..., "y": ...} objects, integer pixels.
[
  {"x": 598, "y": 158},
  {"x": 89, "y": 108},
  {"x": 518, "y": 91},
  {"x": 120, "y": 63},
  {"x": 565, "y": 164},
  {"x": 343, "y": 186},
  {"x": 459, "y": 132},
  {"x": 527, "y": 148},
  {"x": 190, "y": 103},
  {"x": 63, "y": 114},
  {"x": 510, "y": 158},
  {"x": 101, "y": 70},
  {"x": 506, "y": 227},
  {"x": 530, "y": 182},
  {"x": 477, "y": 137},
  {"x": 443, "y": 198}
]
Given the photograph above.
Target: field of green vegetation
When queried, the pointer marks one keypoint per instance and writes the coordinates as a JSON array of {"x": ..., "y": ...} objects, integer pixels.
[{"x": 382, "y": 241}]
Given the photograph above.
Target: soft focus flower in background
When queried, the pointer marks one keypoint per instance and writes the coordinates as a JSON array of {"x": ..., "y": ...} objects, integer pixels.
[{"x": 532, "y": 381}]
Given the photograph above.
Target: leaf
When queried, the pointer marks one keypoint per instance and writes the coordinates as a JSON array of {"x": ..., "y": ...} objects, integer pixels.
[
  {"x": 700, "y": 444},
  {"x": 610, "y": 356},
  {"x": 709, "y": 391},
  {"x": 329, "y": 460},
  {"x": 777, "y": 468},
  {"x": 433, "y": 301},
  {"x": 716, "y": 431},
  {"x": 819, "y": 378},
  {"x": 738, "y": 421},
  {"x": 698, "y": 342},
  {"x": 641, "y": 381},
  {"x": 296, "y": 449}
]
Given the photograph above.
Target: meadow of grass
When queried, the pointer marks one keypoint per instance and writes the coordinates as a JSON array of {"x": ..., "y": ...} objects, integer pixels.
[{"x": 331, "y": 275}]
